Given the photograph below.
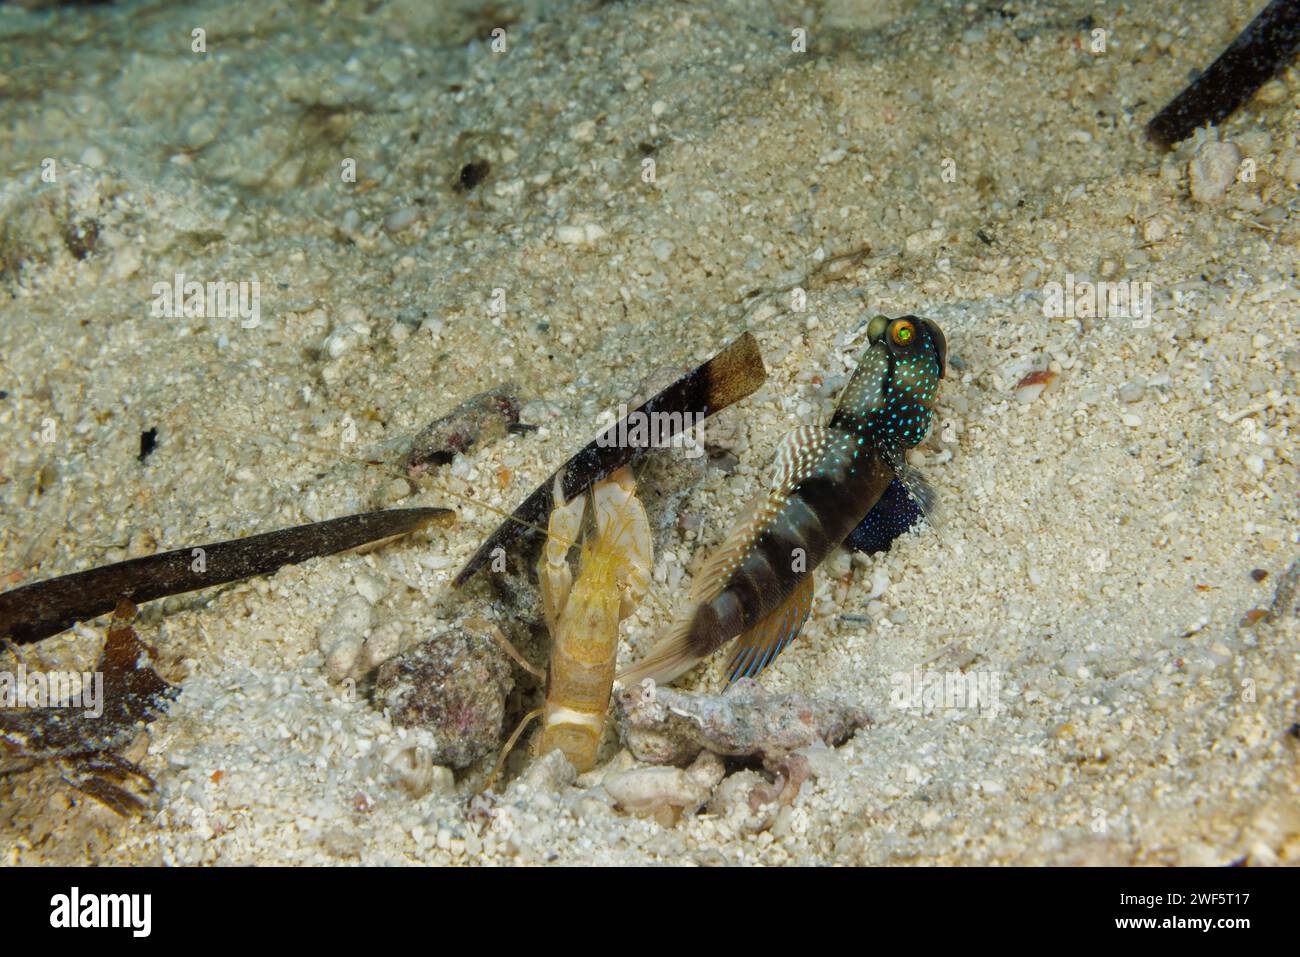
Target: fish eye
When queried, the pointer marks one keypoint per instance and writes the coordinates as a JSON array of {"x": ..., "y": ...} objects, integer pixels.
[{"x": 902, "y": 333}]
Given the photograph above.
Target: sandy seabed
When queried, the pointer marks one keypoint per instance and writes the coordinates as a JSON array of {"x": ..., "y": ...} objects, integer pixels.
[{"x": 1098, "y": 537}]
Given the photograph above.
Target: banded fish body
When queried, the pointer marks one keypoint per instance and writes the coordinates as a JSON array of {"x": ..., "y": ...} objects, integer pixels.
[{"x": 758, "y": 584}]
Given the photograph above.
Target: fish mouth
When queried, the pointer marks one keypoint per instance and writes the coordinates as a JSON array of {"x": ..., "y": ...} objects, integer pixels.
[{"x": 939, "y": 340}]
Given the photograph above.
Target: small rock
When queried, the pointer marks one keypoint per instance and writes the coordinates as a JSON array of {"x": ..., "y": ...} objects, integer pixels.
[
  {"x": 126, "y": 263},
  {"x": 1212, "y": 170},
  {"x": 383, "y": 643},
  {"x": 345, "y": 337},
  {"x": 1155, "y": 230},
  {"x": 550, "y": 772},
  {"x": 370, "y": 588},
  {"x": 666, "y": 726},
  {"x": 665, "y": 793},
  {"x": 342, "y": 637},
  {"x": 342, "y": 658},
  {"x": 1289, "y": 165},
  {"x": 477, "y": 421},
  {"x": 453, "y": 685},
  {"x": 583, "y": 132},
  {"x": 583, "y": 234},
  {"x": 413, "y": 767},
  {"x": 394, "y": 491},
  {"x": 1131, "y": 392},
  {"x": 400, "y": 219},
  {"x": 352, "y": 617},
  {"x": 732, "y": 795},
  {"x": 1270, "y": 94},
  {"x": 922, "y": 238}
]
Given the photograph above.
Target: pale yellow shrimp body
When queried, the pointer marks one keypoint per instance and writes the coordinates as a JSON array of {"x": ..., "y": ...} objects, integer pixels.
[
  {"x": 553, "y": 573},
  {"x": 612, "y": 575}
]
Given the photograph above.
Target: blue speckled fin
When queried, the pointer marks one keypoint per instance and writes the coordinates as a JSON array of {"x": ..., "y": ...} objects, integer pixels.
[
  {"x": 758, "y": 647},
  {"x": 907, "y": 500}
]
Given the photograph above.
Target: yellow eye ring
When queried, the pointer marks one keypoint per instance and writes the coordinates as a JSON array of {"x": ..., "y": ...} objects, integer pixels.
[{"x": 902, "y": 332}]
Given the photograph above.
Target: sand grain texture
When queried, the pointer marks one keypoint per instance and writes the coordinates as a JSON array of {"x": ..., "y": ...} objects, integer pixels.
[{"x": 1099, "y": 532}]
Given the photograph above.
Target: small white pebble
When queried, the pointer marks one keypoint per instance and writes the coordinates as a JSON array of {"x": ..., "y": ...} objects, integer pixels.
[
  {"x": 1270, "y": 94},
  {"x": 573, "y": 235},
  {"x": 1130, "y": 392},
  {"x": 396, "y": 221},
  {"x": 370, "y": 587},
  {"x": 1155, "y": 229},
  {"x": 1028, "y": 393},
  {"x": 1212, "y": 170},
  {"x": 342, "y": 657},
  {"x": 126, "y": 262},
  {"x": 384, "y": 642}
]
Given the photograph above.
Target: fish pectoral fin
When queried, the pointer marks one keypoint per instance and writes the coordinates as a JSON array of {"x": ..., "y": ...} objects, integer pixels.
[
  {"x": 921, "y": 492},
  {"x": 758, "y": 647},
  {"x": 905, "y": 503}
]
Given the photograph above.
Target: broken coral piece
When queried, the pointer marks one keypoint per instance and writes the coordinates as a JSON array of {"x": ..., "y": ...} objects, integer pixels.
[
  {"x": 666, "y": 793},
  {"x": 477, "y": 421},
  {"x": 665, "y": 726}
]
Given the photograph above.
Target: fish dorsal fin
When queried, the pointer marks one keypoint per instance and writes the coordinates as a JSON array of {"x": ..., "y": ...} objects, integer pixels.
[
  {"x": 758, "y": 647},
  {"x": 797, "y": 457}
]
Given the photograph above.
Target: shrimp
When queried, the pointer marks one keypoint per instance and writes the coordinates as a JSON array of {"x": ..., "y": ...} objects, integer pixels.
[{"x": 613, "y": 574}]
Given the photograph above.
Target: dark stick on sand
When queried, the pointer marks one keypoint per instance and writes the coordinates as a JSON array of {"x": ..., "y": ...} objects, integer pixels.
[
  {"x": 48, "y": 607},
  {"x": 1261, "y": 50},
  {"x": 731, "y": 375}
]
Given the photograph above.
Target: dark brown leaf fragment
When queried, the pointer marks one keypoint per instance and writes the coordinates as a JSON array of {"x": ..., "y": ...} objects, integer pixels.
[
  {"x": 1263, "y": 49},
  {"x": 732, "y": 374},
  {"x": 45, "y": 608}
]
